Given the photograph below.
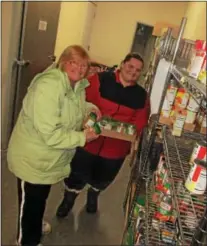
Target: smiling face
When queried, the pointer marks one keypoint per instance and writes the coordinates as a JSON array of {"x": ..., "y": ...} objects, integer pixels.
[
  {"x": 76, "y": 68},
  {"x": 131, "y": 70},
  {"x": 74, "y": 61}
]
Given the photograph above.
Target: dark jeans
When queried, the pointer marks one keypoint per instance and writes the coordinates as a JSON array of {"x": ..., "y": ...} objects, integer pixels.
[
  {"x": 32, "y": 201},
  {"x": 96, "y": 171}
]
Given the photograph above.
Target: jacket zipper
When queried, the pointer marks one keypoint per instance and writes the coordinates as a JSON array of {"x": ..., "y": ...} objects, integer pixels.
[{"x": 102, "y": 144}]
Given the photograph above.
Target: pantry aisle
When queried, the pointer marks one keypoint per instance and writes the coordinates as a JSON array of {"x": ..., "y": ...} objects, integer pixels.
[{"x": 79, "y": 228}]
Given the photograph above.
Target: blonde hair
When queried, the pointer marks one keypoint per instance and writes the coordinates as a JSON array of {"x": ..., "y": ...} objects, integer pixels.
[{"x": 69, "y": 53}]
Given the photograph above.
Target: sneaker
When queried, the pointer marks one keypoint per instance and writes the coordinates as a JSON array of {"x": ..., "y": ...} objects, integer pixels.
[{"x": 46, "y": 228}]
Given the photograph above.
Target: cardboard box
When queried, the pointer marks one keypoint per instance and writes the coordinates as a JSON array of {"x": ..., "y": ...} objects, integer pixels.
[
  {"x": 165, "y": 120},
  {"x": 116, "y": 129},
  {"x": 189, "y": 127},
  {"x": 117, "y": 135},
  {"x": 203, "y": 130}
]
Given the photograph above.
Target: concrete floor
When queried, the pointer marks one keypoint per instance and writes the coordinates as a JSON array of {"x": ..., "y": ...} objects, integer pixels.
[{"x": 79, "y": 228}]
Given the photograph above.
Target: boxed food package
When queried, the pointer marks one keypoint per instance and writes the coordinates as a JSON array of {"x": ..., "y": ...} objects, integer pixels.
[
  {"x": 116, "y": 129},
  {"x": 198, "y": 59}
]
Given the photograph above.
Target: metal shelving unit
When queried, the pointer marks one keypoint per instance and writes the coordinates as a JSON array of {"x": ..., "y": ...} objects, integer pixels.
[
  {"x": 195, "y": 88},
  {"x": 190, "y": 210}
]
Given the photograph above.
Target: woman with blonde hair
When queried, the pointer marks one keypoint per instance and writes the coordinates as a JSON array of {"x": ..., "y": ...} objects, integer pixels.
[{"x": 45, "y": 137}]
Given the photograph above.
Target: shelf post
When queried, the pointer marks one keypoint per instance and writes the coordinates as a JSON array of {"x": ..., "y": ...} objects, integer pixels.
[{"x": 181, "y": 30}]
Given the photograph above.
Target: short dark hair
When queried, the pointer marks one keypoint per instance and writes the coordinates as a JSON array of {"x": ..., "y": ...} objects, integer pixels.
[{"x": 133, "y": 55}]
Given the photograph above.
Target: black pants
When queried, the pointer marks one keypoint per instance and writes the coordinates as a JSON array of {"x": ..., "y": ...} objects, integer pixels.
[
  {"x": 96, "y": 171},
  {"x": 32, "y": 201}
]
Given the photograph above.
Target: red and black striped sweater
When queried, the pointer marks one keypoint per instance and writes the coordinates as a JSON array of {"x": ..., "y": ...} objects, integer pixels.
[{"x": 128, "y": 104}]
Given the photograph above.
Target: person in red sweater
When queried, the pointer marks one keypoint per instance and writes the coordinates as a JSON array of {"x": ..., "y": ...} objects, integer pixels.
[{"x": 117, "y": 95}]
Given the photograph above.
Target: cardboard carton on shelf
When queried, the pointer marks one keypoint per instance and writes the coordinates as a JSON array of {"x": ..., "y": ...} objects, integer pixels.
[
  {"x": 166, "y": 120},
  {"x": 203, "y": 130},
  {"x": 189, "y": 127}
]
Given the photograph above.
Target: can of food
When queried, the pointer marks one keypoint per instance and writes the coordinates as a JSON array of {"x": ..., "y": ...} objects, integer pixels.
[
  {"x": 131, "y": 129},
  {"x": 193, "y": 104},
  {"x": 97, "y": 128},
  {"x": 199, "y": 151},
  {"x": 199, "y": 117},
  {"x": 190, "y": 118},
  {"x": 190, "y": 220},
  {"x": 182, "y": 98},
  {"x": 120, "y": 128},
  {"x": 165, "y": 113},
  {"x": 168, "y": 233},
  {"x": 196, "y": 181},
  {"x": 91, "y": 120},
  {"x": 171, "y": 92},
  {"x": 108, "y": 126}
]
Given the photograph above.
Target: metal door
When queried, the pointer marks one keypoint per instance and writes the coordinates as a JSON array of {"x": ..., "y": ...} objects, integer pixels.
[{"x": 37, "y": 44}]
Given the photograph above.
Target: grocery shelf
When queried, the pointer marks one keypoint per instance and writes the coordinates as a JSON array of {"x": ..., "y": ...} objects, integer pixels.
[
  {"x": 194, "y": 87},
  {"x": 190, "y": 208},
  {"x": 152, "y": 234}
]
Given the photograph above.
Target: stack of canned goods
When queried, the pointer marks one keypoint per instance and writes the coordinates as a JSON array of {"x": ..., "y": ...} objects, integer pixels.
[
  {"x": 196, "y": 180},
  {"x": 114, "y": 125}
]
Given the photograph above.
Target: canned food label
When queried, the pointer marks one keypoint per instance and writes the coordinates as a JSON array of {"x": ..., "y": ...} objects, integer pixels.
[
  {"x": 171, "y": 93},
  {"x": 191, "y": 116},
  {"x": 196, "y": 181},
  {"x": 179, "y": 122},
  {"x": 89, "y": 123},
  {"x": 199, "y": 152},
  {"x": 108, "y": 126},
  {"x": 193, "y": 105},
  {"x": 166, "y": 105},
  {"x": 166, "y": 207},
  {"x": 166, "y": 113},
  {"x": 185, "y": 100}
]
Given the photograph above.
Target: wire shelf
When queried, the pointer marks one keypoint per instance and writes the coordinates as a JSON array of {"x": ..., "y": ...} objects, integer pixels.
[
  {"x": 190, "y": 208},
  {"x": 153, "y": 234},
  {"x": 196, "y": 89}
]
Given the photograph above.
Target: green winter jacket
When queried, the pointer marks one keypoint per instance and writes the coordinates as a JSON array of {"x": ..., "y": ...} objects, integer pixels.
[{"x": 48, "y": 128}]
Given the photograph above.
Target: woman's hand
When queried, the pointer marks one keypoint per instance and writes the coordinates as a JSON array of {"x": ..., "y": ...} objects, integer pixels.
[{"x": 90, "y": 134}]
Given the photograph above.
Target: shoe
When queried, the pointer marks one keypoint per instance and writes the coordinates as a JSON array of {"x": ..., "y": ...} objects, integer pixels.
[
  {"x": 46, "y": 228},
  {"x": 66, "y": 204},
  {"x": 17, "y": 244},
  {"x": 92, "y": 201}
]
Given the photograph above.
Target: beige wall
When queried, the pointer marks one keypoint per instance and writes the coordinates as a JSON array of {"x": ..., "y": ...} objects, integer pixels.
[
  {"x": 71, "y": 24},
  {"x": 196, "y": 21},
  {"x": 115, "y": 24}
]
